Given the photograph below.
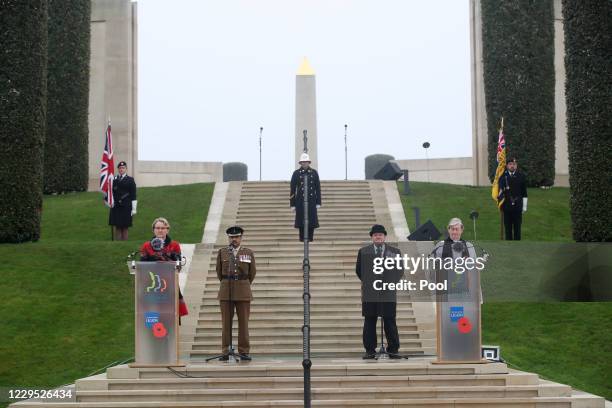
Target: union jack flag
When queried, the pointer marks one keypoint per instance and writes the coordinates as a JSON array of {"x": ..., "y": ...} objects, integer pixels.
[{"x": 107, "y": 168}]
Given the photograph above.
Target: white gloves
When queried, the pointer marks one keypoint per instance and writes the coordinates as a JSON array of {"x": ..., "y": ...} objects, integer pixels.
[
  {"x": 134, "y": 207},
  {"x": 293, "y": 209},
  {"x": 318, "y": 206},
  {"x": 524, "y": 204}
]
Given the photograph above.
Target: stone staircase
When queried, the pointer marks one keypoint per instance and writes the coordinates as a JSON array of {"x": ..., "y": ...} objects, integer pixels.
[
  {"x": 277, "y": 309},
  {"x": 339, "y": 377}
]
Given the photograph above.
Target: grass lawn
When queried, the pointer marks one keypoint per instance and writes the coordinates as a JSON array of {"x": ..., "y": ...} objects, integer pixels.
[
  {"x": 69, "y": 304},
  {"x": 547, "y": 217},
  {"x": 567, "y": 342}
]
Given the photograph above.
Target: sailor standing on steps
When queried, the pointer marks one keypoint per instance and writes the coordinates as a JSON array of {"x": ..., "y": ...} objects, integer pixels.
[
  {"x": 296, "y": 196},
  {"x": 236, "y": 271}
]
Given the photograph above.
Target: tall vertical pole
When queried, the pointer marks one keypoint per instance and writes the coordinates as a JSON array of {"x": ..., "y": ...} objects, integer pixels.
[
  {"x": 345, "y": 155},
  {"x": 260, "y": 132},
  {"x": 306, "y": 362}
]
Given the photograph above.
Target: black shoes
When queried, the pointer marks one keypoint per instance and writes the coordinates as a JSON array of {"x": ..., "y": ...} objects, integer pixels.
[
  {"x": 245, "y": 356},
  {"x": 369, "y": 356},
  {"x": 395, "y": 356},
  {"x": 224, "y": 357}
]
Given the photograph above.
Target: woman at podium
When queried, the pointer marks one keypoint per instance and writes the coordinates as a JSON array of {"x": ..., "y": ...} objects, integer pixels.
[{"x": 162, "y": 248}]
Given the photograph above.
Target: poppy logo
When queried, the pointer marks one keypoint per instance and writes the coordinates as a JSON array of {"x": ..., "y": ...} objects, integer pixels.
[
  {"x": 157, "y": 284},
  {"x": 159, "y": 330},
  {"x": 464, "y": 325}
]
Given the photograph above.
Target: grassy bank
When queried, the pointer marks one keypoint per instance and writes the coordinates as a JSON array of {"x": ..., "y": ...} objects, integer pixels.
[{"x": 69, "y": 304}]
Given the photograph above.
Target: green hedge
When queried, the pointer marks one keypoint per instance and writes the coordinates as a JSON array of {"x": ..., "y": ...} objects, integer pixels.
[
  {"x": 23, "y": 97},
  {"x": 519, "y": 78},
  {"x": 66, "y": 144},
  {"x": 588, "y": 65}
]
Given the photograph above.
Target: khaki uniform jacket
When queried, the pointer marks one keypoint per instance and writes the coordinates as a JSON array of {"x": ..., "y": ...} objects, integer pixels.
[{"x": 244, "y": 268}]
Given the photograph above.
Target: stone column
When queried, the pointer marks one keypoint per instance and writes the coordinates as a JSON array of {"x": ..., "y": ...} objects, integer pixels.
[
  {"x": 561, "y": 155},
  {"x": 305, "y": 112},
  {"x": 480, "y": 141},
  {"x": 112, "y": 84}
]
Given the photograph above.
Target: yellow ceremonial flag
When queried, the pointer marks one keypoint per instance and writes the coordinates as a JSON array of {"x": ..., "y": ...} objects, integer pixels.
[{"x": 497, "y": 195}]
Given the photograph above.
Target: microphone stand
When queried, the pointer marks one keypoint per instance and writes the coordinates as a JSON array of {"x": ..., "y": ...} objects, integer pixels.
[
  {"x": 233, "y": 356},
  {"x": 383, "y": 353},
  {"x": 306, "y": 362}
]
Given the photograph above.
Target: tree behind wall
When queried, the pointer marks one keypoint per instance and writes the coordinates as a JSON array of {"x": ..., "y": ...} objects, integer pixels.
[
  {"x": 519, "y": 78},
  {"x": 588, "y": 64},
  {"x": 66, "y": 144},
  {"x": 23, "y": 97}
]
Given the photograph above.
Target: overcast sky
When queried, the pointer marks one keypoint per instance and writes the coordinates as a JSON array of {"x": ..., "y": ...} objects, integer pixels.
[{"x": 212, "y": 72}]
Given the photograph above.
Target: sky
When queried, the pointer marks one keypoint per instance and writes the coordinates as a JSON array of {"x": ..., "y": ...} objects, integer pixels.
[{"x": 211, "y": 73}]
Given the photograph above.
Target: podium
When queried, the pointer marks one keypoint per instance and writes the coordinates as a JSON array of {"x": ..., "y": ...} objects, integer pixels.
[
  {"x": 156, "y": 315},
  {"x": 458, "y": 327}
]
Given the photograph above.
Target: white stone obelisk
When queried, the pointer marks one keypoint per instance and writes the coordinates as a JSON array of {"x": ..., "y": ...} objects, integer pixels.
[{"x": 305, "y": 112}]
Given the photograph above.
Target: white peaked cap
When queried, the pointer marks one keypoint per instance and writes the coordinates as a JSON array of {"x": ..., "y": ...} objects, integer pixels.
[{"x": 304, "y": 157}]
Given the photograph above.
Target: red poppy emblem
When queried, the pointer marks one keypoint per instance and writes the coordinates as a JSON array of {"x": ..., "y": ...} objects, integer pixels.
[
  {"x": 464, "y": 325},
  {"x": 159, "y": 330}
]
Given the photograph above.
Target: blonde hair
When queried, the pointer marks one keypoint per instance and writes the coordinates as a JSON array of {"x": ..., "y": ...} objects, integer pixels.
[
  {"x": 162, "y": 220},
  {"x": 454, "y": 221}
]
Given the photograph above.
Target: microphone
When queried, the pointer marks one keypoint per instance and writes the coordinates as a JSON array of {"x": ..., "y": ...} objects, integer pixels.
[{"x": 157, "y": 244}]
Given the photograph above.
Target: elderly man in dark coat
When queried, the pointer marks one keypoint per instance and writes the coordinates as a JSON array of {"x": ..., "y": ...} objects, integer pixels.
[
  {"x": 296, "y": 196},
  {"x": 377, "y": 303}
]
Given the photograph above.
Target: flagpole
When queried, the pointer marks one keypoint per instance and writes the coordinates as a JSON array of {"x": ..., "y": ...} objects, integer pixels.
[
  {"x": 501, "y": 211},
  {"x": 110, "y": 209}
]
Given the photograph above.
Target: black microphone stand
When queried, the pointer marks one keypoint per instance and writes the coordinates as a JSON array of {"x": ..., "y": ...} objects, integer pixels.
[
  {"x": 306, "y": 362},
  {"x": 231, "y": 354},
  {"x": 383, "y": 353}
]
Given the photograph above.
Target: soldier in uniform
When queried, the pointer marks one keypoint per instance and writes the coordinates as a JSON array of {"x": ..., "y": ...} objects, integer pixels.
[
  {"x": 296, "y": 197},
  {"x": 124, "y": 195},
  {"x": 236, "y": 271},
  {"x": 375, "y": 304},
  {"x": 513, "y": 188}
]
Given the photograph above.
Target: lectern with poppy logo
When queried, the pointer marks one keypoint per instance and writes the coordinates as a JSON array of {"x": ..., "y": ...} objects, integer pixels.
[
  {"x": 156, "y": 315},
  {"x": 458, "y": 316}
]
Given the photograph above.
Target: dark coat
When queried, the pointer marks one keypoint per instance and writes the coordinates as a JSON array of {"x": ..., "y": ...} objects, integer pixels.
[
  {"x": 296, "y": 196},
  {"x": 124, "y": 192},
  {"x": 244, "y": 269},
  {"x": 387, "y": 303},
  {"x": 514, "y": 188}
]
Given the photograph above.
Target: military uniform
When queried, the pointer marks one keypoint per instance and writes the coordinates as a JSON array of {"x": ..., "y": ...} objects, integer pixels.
[
  {"x": 236, "y": 271},
  {"x": 296, "y": 199},
  {"x": 124, "y": 193},
  {"x": 513, "y": 186}
]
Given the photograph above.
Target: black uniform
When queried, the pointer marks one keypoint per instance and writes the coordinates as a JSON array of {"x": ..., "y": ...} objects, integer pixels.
[
  {"x": 124, "y": 192},
  {"x": 296, "y": 199},
  {"x": 378, "y": 303},
  {"x": 514, "y": 189}
]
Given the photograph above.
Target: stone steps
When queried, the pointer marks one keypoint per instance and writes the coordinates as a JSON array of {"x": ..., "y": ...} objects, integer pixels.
[
  {"x": 296, "y": 334},
  {"x": 532, "y": 402},
  {"x": 348, "y": 393},
  {"x": 320, "y": 382}
]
